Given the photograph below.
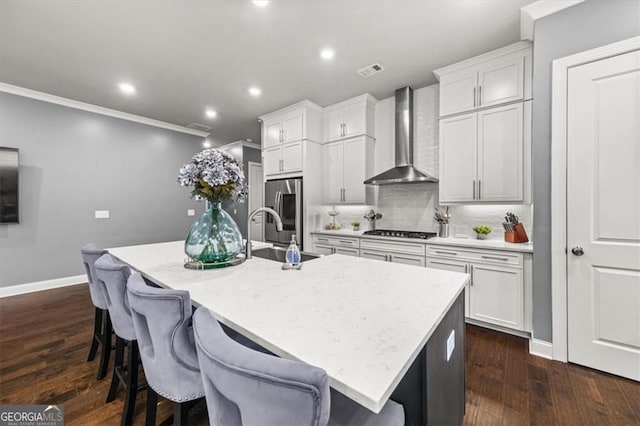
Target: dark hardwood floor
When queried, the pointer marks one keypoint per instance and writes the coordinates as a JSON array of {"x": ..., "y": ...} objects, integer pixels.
[{"x": 44, "y": 341}]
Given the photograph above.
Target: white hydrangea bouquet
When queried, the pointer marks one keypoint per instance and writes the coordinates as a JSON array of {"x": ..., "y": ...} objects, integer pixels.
[
  {"x": 214, "y": 239},
  {"x": 214, "y": 175}
]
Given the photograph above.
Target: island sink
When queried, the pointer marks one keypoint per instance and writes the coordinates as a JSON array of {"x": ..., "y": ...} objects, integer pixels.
[{"x": 279, "y": 254}]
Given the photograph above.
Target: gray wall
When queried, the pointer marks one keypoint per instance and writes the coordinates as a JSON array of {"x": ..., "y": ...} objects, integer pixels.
[
  {"x": 74, "y": 162},
  {"x": 240, "y": 211},
  {"x": 582, "y": 27}
]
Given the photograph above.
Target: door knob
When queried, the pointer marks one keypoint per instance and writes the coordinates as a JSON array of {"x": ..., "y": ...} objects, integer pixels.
[{"x": 577, "y": 251}]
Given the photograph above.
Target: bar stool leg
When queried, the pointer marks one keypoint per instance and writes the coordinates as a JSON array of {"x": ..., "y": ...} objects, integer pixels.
[
  {"x": 106, "y": 334},
  {"x": 118, "y": 368},
  {"x": 95, "y": 337},
  {"x": 152, "y": 406},
  {"x": 133, "y": 363},
  {"x": 180, "y": 414}
]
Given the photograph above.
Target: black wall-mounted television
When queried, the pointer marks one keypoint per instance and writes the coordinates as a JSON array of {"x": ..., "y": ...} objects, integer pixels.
[{"x": 9, "y": 166}]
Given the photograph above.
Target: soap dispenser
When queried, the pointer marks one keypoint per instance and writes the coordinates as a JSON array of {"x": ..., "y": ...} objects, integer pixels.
[{"x": 293, "y": 253}]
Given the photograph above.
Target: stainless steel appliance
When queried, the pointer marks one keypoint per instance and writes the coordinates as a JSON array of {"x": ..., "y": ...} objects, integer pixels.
[
  {"x": 404, "y": 171},
  {"x": 285, "y": 197},
  {"x": 401, "y": 234}
]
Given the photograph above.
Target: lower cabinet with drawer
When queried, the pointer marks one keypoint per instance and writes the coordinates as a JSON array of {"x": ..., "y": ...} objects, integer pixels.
[
  {"x": 336, "y": 245},
  {"x": 496, "y": 292},
  {"x": 392, "y": 251}
]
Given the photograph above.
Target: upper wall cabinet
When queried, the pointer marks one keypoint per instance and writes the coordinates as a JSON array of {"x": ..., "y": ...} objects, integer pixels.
[
  {"x": 491, "y": 79},
  {"x": 283, "y": 133},
  {"x": 350, "y": 118}
]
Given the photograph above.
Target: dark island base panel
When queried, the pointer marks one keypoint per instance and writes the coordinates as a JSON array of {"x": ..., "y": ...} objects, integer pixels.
[{"x": 432, "y": 391}]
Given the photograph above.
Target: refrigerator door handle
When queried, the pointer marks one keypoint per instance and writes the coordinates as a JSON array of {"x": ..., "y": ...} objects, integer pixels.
[{"x": 298, "y": 189}]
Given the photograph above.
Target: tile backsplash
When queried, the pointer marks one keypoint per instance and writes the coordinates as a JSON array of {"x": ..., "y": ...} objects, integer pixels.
[{"x": 411, "y": 207}]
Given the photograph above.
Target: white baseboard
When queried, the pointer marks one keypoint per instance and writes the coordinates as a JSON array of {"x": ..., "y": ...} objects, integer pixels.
[
  {"x": 541, "y": 348},
  {"x": 14, "y": 290}
]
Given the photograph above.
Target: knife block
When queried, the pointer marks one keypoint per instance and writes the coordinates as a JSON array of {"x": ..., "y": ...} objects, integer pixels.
[{"x": 519, "y": 236}]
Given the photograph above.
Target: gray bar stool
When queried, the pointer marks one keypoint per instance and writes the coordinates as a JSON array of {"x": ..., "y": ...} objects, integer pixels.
[
  {"x": 102, "y": 330},
  {"x": 161, "y": 318},
  {"x": 244, "y": 387},
  {"x": 112, "y": 276}
]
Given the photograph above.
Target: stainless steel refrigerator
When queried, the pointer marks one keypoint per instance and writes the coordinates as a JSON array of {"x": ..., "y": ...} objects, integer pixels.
[{"x": 285, "y": 197}]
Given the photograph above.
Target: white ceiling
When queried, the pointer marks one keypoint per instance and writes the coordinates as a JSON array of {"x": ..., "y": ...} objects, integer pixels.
[{"x": 185, "y": 56}]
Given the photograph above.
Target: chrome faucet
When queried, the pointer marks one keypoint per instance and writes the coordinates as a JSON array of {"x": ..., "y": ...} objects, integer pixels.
[{"x": 273, "y": 213}]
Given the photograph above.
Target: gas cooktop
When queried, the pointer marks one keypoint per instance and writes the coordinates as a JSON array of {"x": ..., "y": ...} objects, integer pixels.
[{"x": 401, "y": 234}]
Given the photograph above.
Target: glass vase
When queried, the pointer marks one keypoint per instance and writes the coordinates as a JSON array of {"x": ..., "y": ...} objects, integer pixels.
[{"x": 214, "y": 239}]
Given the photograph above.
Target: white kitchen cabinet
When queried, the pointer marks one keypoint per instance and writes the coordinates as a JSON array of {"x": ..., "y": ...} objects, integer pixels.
[
  {"x": 393, "y": 251},
  {"x": 285, "y": 128},
  {"x": 482, "y": 155},
  {"x": 282, "y": 159},
  {"x": 501, "y": 81},
  {"x": 350, "y": 118},
  {"x": 458, "y": 91},
  {"x": 494, "y": 78},
  {"x": 323, "y": 244},
  {"x": 347, "y": 165},
  {"x": 284, "y": 134},
  {"x": 458, "y": 158},
  {"x": 453, "y": 266},
  {"x": 500, "y": 154},
  {"x": 496, "y": 294}
]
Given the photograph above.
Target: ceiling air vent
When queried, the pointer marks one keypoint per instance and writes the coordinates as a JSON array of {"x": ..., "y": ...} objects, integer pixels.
[
  {"x": 199, "y": 127},
  {"x": 370, "y": 70}
]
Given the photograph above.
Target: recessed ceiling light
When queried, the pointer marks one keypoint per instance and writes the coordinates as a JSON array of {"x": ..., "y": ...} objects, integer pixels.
[
  {"x": 261, "y": 3},
  {"x": 211, "y": 113},
  {"x": 206, "y": 144},
  {"x": 327, "y": 53},
  {"x": 127, "y": 88},
  {"x": 255, "y": 91}
]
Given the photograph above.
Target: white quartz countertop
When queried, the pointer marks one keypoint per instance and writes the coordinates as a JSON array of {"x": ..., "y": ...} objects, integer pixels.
[
  {"x": 361, "y": 320},
  {"x": 493, "y": 244}
]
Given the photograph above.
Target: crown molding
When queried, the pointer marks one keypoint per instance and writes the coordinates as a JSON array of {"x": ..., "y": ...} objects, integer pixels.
[
  {"x": 537, "y": 10},
  {"x": 53, "y": 99}
]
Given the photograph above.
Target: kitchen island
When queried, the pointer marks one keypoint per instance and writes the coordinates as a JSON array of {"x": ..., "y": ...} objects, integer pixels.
[{"x": 379, "y": 330}]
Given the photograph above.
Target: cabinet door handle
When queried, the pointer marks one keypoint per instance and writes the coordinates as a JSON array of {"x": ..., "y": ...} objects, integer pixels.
[
  {"x": 496, "y": 258},
  {"x": 480, "y": 96},
  {"x": 447, "y": 252},
  {"x": 474, "y": 189},
  {"x": 390, "y": 258},
  {"x": 466, "y": 268},
  {"x": 345, "y": 129},
  {"x": 474, "y": 97},
  {"x": 333, "y": 250},
  {"x": 344, "y": 194},
  {"x": 479, "y": 187}
]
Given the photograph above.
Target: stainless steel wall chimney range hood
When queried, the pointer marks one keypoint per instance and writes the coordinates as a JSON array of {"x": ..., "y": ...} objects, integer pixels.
[{"x": 403, "y": 172}]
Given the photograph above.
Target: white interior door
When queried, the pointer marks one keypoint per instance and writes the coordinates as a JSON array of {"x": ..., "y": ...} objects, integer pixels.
[
  {"x": 603, "y": 215},
  {"x": 256, "y": 199}
]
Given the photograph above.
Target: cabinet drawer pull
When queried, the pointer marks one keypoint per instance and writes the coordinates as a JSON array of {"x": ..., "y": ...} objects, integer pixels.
[
  {"x": 446, "y": 252},
  {"x": 346, "y": 242},
  {"x": 322, "y": 239},
  {"x": 496, "y": 258}
]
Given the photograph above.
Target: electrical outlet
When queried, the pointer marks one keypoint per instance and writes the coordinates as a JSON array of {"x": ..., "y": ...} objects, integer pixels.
[
  {"x": 102, "y": 214},
  {"x": 191, "y": 212},
  {"x": 451, "y": 344}
]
